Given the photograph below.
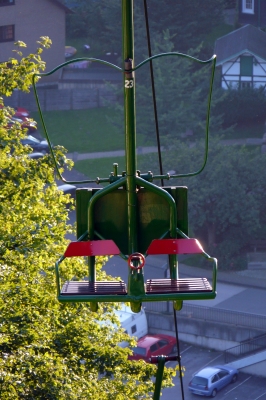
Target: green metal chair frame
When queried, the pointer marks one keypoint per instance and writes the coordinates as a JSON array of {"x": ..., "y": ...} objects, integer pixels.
[{"x": 132, "y": 182}]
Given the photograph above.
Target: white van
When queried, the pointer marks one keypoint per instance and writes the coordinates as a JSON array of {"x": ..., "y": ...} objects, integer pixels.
[{"x": 134, "y": 324}]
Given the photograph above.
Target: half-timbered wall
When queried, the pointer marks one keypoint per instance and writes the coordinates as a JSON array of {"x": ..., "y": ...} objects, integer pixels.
[{"x": 243, "y": 72}]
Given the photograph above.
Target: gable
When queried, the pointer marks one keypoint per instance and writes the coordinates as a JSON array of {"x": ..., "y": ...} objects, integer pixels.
[{"x": 245, "y": 39}]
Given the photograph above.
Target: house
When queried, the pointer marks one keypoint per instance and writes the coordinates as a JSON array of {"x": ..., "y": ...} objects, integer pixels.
[
  {"x": 252, "y": 12},
  {"x": 28, "y": 20},
  {"x": 241, "y": 55}
]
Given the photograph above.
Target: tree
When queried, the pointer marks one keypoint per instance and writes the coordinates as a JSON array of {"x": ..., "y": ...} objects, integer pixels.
[
  {"x": 86, "y": 20},
  {"x": 49, "y": 350},
  {"x": 189, "y": 22},
  {"x": 242, "y": 106},
  {"x": 227, "y": 200},
  {"x": 181, "y": 87}
]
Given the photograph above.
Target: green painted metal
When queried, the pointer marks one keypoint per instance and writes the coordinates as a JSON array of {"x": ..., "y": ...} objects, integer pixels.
[
  {"x": 130, "y": 122},
  {"x": 148, "y": 176},
  {"x": 136, "y": 299},
  {"x": 110, "y": 221},
  {"x": 131, "y": 210},
  {"x": 159, "y": 377}
]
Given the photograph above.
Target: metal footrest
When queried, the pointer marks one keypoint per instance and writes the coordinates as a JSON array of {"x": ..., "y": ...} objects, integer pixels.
[
  {"x": 76, "y": 288},
  {"x": 187, "y": 285}
]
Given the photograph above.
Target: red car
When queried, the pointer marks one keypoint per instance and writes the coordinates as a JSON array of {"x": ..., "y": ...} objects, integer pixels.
[
  {"x": 26, "y": 123},
  {"x": 20, "y": 113},
  {"x": 153, "y": 345}
]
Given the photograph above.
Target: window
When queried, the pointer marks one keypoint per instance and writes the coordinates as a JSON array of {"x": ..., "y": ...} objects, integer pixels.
[
  {"x": 223, "y": 374},
  {"x": 162, "y": 343},
  {"x": 246, "y": 65},
  {"x": 133, "y": 329},
  {"x": 246, "y": 84},
  {"x": 7, "y": 33},
  {"x": 215, "y": 378},
  {"x": 7, "y": 2},
  {"x": 153, "y": 347},
  {"x": 248, "y": 6}
]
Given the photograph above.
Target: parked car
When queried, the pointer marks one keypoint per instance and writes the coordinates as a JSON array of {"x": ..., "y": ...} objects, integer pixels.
[
  {"x": 68, "y": 189},
  {"x": 31, "y": 126},
  {"x": 37, "y": 145},
  {"x": 25, "y": 123},
  {"x": 20, "y": 112},
  {"x": 209, "y": 380},
  {"x": 36, "y": 155},
  {"x": 153, "y": 345}
]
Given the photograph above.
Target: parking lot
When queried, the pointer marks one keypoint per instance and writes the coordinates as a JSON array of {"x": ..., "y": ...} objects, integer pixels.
[{"x": 247, "y": 387}]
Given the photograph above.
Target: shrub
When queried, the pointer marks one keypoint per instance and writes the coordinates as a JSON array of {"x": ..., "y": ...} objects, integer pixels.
[{"x": 242, "y": 106}]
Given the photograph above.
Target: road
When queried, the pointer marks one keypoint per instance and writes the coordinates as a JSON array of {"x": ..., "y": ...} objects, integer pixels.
[
  {"x": 230, "y": 296},
  {"x": 247, "y": 387}
]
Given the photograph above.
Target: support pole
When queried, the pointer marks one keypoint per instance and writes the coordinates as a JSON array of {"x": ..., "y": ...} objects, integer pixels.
[
  {"x": 130, "y": 124},
  {"x": 136, "y": 277},
  {"x": 159, "y": 377}
]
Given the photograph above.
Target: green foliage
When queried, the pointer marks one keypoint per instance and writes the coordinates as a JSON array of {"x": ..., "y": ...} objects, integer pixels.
[
  {"x": 82, "y": 21},
  {"x": 181, "y": 94},
  {"x": 243, "y": 106},
  {"x": 230, "y": 3},
  {"x": 96, "y": 20},
  {"x": 49, "y": 350},
  {"x": 182, "y": 90},
  {"x": 190, "y": 22},
  {"x": 181, "y": 87},
  {"x": 226, "y": 201},
  {"x": 17, "y": 73}
]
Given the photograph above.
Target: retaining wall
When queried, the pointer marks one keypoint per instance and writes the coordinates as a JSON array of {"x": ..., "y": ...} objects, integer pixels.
[{"x": 209, "y": 334}]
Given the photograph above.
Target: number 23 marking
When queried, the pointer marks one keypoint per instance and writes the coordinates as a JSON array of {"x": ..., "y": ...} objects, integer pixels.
[{"x": 129, "y": 83}]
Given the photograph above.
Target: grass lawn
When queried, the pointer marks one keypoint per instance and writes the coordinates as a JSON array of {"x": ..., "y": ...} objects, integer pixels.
[
  {"x": 102, "y": 167},
  {"x": 84, "y": 131}
]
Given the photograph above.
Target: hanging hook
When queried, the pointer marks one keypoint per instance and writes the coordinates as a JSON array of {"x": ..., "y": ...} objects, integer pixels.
[{"x": 136, "y": 261}]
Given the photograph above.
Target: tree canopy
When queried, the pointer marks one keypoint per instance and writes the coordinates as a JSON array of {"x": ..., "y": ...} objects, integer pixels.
[
  {"x": 226, "y": 201},
  {"x": 49, "y": 350},
  {"x": 188, "y": 21}
]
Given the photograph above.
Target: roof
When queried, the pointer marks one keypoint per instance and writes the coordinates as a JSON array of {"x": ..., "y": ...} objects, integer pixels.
[
  {"x": 147, "y": 341},
  {"x": 207, "y": 372},
  {"x": 248, "y": 38}
]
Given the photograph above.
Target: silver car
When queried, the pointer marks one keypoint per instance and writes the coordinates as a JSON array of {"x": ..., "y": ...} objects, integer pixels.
[{"x": 209, "y": 380}]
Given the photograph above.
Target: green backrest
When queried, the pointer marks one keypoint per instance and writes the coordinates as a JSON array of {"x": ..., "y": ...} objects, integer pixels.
[{"x": 110, "y": 215}]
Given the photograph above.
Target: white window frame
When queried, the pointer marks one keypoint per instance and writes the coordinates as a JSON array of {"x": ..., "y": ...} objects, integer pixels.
[{"x": 248, "y": 10}]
